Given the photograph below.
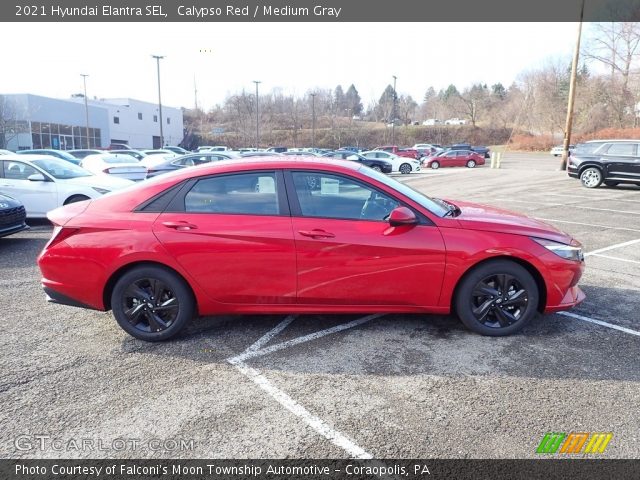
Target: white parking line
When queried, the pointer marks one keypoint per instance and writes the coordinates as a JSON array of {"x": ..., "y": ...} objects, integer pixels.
[
  {"x": 587, "y": 224},
  {"x": 613, "y": 247},
  {"x": 266, "y": 338},
  {"x": 600, "y": 322},
  {"x": 298, "y": 410},
  {"x": 615, "y": 258},
  {"x": 305, "y": 338},
  {"x": 572, "y": 205}
]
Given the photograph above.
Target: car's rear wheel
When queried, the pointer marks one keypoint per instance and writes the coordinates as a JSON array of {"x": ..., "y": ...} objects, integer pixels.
[
  {"x": 471, "y": 163},
  {"x": 405, "y": 168},
  {"x": 75, "y": 198},
  {"x": 377, "y": 168},
  {"x": 591, "y": 177},
  {"x": 152, "y": 303},
  {"x": 497, "y": 298},
  {"x": 435, "y": 165},
  {"x": 611, "y": 184}
]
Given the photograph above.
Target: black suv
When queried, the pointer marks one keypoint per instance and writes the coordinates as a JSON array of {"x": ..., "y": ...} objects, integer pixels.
[{"x": 606, "y": 161}]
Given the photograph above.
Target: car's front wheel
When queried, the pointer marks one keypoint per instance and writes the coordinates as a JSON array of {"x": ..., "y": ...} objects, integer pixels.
[
  {"x": 591, "y": 177},
  {"x": 151, "y": 303},
  {"x": 405, "y": 168},
  {"x": 435, "y": 165},
  {"x": 497, "y": 298}
]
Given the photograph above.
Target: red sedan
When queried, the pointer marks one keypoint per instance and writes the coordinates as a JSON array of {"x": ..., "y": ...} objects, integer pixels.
[
  {"x": 454, "y": 158},
  {"x": 282, "y": 235}
]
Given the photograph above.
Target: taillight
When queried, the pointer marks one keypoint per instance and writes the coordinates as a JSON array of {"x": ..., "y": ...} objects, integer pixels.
[
  {"x": 60, "y": 234},
  {"x": 107, "y": 170}
]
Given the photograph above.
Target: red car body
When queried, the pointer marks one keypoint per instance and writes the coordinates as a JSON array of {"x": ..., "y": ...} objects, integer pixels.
[
  {"x": 401, "y": 152},
  {"x": 454, "y": 158},
  {"x": 286, "y": 262}
]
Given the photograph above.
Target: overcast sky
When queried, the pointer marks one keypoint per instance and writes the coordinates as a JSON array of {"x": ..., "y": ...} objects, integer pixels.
[{"x": 48, "y": 58}]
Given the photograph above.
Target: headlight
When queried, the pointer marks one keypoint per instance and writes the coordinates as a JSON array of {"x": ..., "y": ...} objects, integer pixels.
[
  {"x": 569, "y": 252},
  {"x": 101, "y": 191}
]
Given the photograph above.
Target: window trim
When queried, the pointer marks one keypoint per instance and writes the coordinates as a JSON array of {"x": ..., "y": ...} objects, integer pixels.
[
  {"x": 177, "y": 203},
  {"x": 296, "y": 209}
]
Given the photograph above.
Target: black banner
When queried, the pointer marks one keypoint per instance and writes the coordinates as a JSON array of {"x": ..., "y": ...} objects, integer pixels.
[
  {"x": 318, "y": 10},
  {"x": 580, "y": 469}
]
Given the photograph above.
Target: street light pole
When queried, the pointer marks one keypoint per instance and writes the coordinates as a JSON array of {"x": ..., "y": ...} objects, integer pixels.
[
  {"x": 86, "y": 109},
  {"x": 158, "y": 58},
  {"x": 393, "y": 113},
  {"x": 572, "y": 94},
  {"x": 313, "y": 120},
  {"x": 257, "y": 82}
]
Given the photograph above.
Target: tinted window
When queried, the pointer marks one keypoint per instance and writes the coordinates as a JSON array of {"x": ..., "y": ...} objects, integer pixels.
[
  {"x": 247, "y": 193},
  {"x": 332, "y": 196},
  {"x": 621, "y": 149}
]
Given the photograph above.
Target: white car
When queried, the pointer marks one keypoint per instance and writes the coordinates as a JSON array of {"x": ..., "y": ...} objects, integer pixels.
[
  {"x": 118, "y": 165},
  {"x": 455, "y": 121},
  {"x": 156, "y": 157},
  {"x": 399, "y": 164},
  {"x": 5, "y": 152},
  {"x": 43, "y": 183},
  {"x": 557, "y": 151},
  {"x": 428, "y": 146}
]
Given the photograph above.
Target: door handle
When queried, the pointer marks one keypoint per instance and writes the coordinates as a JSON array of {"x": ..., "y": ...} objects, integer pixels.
[
  {"x": 316, "y": 233},
  {"x": 180, "y": 226}
]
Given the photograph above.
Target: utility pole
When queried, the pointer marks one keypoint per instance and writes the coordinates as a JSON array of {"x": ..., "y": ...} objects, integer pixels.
[
  {"x": 257, "y": 82},
  {"x": 572, "y": 94},
  {"x": 158, "y": 58},
  {"x": 86, "y": 110},
  {"x": 313, "y": 120},
  {"x": 393, "y": 113}
]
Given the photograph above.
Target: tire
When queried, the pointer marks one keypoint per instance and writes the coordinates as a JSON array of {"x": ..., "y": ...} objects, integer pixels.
[
  {"x": 611, "y": 184},
  {"x": 591, "y": 177},
  {"x": 480, "y": 298},
  {"x": 435, "y": 165},
  {"x": 377, "y": 168},
  {"x": 471, "y": 164},
  {"x": 75, "y": 198},
  {"x": 405, "y": 168},
  {"x": 139, "y": 289}
]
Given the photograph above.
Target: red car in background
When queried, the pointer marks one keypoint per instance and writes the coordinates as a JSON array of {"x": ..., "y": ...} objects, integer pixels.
[
  {"x": 401, "y": 152},
  {"x": 454, "y": 158},
  {"x": 276, "y": 235}
]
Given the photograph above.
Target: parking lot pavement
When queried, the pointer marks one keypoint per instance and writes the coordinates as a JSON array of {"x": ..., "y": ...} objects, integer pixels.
[{"x": 341, "y": 386}]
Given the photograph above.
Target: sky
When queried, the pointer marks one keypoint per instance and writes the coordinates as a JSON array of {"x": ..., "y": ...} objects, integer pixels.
[{"x": 225, "y": 58}]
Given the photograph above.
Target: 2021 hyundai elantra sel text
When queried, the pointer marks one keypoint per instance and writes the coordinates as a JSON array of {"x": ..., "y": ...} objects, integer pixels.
[{"x": 275, "y": 235}]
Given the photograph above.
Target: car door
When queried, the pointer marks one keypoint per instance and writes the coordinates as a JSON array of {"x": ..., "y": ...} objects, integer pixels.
[
  {"x": 620, "y": 161},
  {"x": 450, "y": 159},
  {"x": 232, "y": 233},
  {"x": 38, "y": 197},
  {"x": 347, "y": 253}
]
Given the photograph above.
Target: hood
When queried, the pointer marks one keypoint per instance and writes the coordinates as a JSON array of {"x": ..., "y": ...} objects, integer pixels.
[
  {"x": 108, "y": 182},
  {"x": 490, "y": 219}
]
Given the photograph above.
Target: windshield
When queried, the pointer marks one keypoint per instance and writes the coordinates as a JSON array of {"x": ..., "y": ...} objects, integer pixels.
[
  {"x": 427, "y": 202},
  {"x": 61, "y": 169}
]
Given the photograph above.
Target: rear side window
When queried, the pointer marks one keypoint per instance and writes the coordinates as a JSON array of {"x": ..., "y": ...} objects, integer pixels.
[
  {"x": 621, "y": 149},
  {"x": 246, "y": 193}
]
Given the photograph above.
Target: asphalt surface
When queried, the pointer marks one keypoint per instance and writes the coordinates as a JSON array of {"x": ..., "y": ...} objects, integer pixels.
[{"x": 394, "y": 386}]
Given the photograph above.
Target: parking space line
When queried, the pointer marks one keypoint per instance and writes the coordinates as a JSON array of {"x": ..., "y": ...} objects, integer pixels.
[
  {"x": 600, "y": 322},
  {"x": 298, "y": 410},
  {"x": 588, "y": 224},
  {"x": 613, "y": 247},
  {"x": 572, "y": 205},
  {"x": 266, "y": 338},
  {"x": 615, "y": 258},
  {"x": 305, "y": 338}
]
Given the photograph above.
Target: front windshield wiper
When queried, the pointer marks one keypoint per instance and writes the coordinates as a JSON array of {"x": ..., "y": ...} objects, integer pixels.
[{"x": 452, "y": 209}]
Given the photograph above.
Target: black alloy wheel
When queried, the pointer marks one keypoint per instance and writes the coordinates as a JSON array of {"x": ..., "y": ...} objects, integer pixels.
[
  {"x": 151, "y": 303},
  {"x": 405, "y": 168},
  {"x": 497, "y": 298}
]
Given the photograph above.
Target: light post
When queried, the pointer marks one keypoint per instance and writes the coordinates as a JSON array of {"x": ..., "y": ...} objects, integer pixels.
[
  {"x": 313, "y": 120},
  {"x": 86, "y": 109},
  {"x": 393, "y": 113},
  {"x": 257, "y": 82},
  {"x": 158, "y": 58}
]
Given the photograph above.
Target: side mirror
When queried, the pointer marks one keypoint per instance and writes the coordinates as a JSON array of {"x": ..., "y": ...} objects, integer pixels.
[
  {"x": 36, "y": 177},
  {"x": 402, "y": 216}
]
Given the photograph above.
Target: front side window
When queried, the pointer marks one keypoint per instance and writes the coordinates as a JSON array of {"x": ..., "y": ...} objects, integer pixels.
[
  {"x": 244, "y": 193},
  {"x": 333, "y": 196}
]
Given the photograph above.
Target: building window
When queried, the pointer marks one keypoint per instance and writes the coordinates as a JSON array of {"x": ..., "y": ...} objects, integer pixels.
[
  {"x": 139, "y": 116},
  {"x": 116, "y": 119},
  {"x": 155, "y": 118},
  {"x": 168, "y": 120}
]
